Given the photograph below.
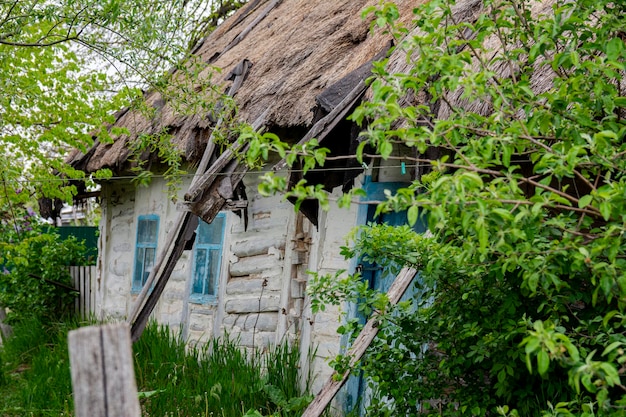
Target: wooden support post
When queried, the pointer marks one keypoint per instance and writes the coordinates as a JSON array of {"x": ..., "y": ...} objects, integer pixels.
[
  {"x": 103, "y": 378},
  {"x": 182, "y": 232},
  {"x": 5, "y": 330},
  {"x": 358, "y": 348},
  {"x": 187, "y": 224}
]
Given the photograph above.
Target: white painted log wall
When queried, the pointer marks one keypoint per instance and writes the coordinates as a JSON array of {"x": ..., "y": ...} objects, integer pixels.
[{"x": 254, "y": 267}]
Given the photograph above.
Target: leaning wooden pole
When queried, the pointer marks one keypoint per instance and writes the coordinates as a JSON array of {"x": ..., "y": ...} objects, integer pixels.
[
  {"x": 178, "y": 236},
  {"x": 358, "y": 348}
]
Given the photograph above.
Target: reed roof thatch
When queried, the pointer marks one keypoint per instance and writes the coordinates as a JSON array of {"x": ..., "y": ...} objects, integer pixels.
[
  {"x": 297, "y": 48},
  {"x": 307, "y": 57},
  {"x": 541, "y": 79}
]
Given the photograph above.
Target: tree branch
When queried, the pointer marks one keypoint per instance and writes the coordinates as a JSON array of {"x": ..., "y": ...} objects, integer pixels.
[{"x": 37, "y": 44}]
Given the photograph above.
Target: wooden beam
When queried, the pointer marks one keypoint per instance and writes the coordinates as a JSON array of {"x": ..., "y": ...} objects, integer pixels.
[
  {"x": 358, "y": 348},
  {"x": 202, "y": 182},
  {"x": 328, "y": 122},
  {"x": 184, "y": 234},
  {"x": 176, "y": 240},
  {"x": 101, "y": 365}
]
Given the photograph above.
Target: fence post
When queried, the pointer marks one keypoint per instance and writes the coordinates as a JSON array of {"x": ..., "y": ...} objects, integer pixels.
[
  {"x": 5, "y": 330},
  {"x": 103, "y": 378},
  {"x": 83, "y": 280},
  {"x": 76, "y": 283}
]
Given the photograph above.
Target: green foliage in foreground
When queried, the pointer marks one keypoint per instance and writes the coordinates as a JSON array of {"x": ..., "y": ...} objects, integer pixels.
[
  {"x": 67, "y": 66},
  {"x": 35, "y": 374},
  {"x": 218, "y": 378},
  {"x": 174, "y": 380},
  {"x": 34, "y": 274},
  {"x": 522, "y": 298}
]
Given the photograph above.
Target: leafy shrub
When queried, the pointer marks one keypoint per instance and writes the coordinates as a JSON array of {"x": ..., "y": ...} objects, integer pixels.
[
  {"x": 520, "y": 309},
  {"x": 35, "y": 280}
]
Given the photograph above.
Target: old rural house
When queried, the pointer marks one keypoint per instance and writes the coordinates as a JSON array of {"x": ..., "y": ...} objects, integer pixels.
[{"x": 296, "y": 68}]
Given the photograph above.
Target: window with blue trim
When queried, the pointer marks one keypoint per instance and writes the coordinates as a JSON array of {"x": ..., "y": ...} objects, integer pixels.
[
  {"x": 207, "y": 260},
  {"x": 145, "y": 249}
]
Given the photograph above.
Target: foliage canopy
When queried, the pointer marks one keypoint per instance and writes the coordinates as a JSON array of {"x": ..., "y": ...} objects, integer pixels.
[
  {"x": 66, "y": 66},
  {"x": 520, "y": 307}
]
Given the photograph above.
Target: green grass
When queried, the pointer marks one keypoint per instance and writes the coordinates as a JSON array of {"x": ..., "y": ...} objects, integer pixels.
[
  {"x": 218, "y": 379},
  {"x": 35, "y": 370}
]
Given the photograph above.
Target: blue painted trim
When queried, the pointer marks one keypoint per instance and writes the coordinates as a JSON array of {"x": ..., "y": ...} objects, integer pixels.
[
  {"x": 208, "y": 298},
  {"x": 136, "y": 284},
  {"x": 376, "y": 190}
]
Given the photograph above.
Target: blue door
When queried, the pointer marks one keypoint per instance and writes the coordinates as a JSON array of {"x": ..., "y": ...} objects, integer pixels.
[{"x": 377, "y": 277}]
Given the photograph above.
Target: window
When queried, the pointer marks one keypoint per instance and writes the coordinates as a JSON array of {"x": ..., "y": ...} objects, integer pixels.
[
  {"x": 207, "y": 259},
  {"x": 145, "y": 249}
]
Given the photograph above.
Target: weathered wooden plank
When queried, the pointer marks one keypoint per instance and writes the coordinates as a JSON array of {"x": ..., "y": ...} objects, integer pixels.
[
  {"x": 83, "y": 281},
  {"x": 328, "y": 122},
  {"x": 103, "y": 378},
  {"x": 201, "y": 183},
  {"x": 83, "y": 291},
  {"x": 213, "y": 200},
  {"x": 358, "y": 348},
  {"x": 184, "y": 234},
  {"x": 176, "y": 240},
  {"x": 93, "y": 273},
  {"x": 199, "y": 186},
  {"x": 87, "y": 291},
  {"x": 76, "y": 284}
]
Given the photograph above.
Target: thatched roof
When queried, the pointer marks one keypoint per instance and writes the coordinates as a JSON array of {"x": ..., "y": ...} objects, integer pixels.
[
  {"x": 307, "y": 58},
  {"x": 468, "y": 11},
  {"x": 298, "y": 48}
]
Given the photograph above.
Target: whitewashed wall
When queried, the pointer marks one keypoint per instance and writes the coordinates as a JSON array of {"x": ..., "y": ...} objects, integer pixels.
[
  {"x": 264, "y": 271},
  {"x": 320, "y": 330}
]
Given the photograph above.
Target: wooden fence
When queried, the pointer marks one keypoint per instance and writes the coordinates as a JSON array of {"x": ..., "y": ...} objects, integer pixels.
[{"x": 84, "y": 280}]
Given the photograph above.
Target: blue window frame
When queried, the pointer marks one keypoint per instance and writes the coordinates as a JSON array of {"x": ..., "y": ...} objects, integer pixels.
[
  {"x": 145, "y": 249},
  {"x": 207, "y": 260}
]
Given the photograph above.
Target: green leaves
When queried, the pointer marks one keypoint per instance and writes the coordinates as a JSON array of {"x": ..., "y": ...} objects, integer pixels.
[
  {"x": 66, "y": 68},
  {"x": 526, "y": 200},
  {"x": 35, "y": 269}
]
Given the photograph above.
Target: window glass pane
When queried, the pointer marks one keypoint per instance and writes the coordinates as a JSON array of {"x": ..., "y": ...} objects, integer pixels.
[
  {"x": 214, "y": 264},
  {"x": 211, "y": 233},
  {"x": 139, "y": 257},
  {"x": 148, "y": 264},
  {"x": 147, "y": 232},
  {"x": 200, "y": 274}
]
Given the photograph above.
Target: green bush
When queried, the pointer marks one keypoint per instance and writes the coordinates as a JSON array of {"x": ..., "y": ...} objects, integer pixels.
[
  {"x": 517, "y": 111},
  {"x": 36, "y": 279}
]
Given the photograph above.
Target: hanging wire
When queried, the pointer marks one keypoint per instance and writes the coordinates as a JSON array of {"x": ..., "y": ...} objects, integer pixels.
[{"x": 130, "y": 177}]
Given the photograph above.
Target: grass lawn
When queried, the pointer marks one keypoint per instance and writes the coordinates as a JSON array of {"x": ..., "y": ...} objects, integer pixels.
[{"x": 217, "y": 379}]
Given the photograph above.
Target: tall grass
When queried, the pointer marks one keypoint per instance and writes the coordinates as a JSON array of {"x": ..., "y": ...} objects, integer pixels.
[
  {"x": 218, "y": 379},
  {"x": 35, "y": 366}
]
